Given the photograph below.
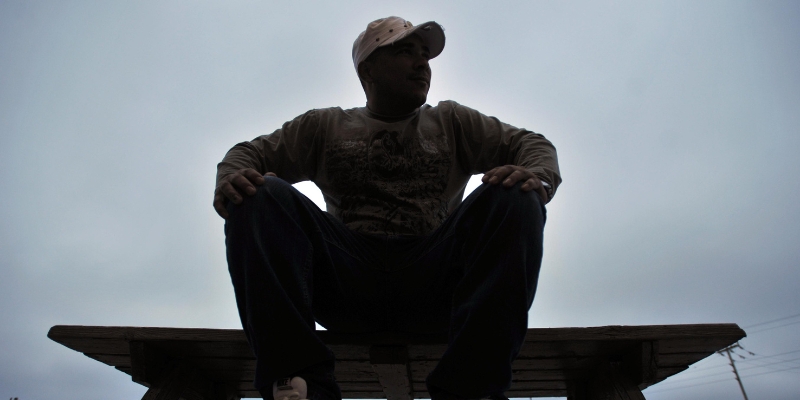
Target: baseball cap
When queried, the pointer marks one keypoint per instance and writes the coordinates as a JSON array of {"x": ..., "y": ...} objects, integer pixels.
[{"x": 386, "y": 31}]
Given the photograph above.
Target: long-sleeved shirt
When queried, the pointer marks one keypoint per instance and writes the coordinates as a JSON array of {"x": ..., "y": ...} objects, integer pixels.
[{"x": 394, "y": 176}]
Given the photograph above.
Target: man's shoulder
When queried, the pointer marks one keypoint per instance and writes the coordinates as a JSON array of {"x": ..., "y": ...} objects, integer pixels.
[
  {"x": 444, "y": 106},
  {"x": 338, "y": 113},
  {"x": 330, "y": 114}
]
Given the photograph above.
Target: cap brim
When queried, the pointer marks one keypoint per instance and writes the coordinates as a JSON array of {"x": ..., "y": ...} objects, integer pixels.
[{"x": 432, "y": 35}]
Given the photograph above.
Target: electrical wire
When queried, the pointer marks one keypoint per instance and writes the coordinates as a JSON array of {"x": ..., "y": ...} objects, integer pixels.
[
  {"x": 694, "y": 369},
  {"x": 775, "y": 327},
  {"x": 746, "y": 368},
  {"x": 769, "y": 322},
  {"x": 719, "y": 380},
  {"x": 752, "y": 363}
]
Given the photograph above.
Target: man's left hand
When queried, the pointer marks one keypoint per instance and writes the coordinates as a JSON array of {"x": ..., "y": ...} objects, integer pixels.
[{"x": 509, "y": 175}]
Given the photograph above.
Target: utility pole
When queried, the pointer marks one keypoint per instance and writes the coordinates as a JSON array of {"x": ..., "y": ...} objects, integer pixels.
[{"x": 728, "y": 350}]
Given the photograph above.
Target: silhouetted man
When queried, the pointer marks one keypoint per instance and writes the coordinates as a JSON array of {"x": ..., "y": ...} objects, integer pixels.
[{"x": 397, "y": 249}]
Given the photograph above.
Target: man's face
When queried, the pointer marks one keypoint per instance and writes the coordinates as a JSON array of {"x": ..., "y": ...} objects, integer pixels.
[{"x": 400, "y": 72}]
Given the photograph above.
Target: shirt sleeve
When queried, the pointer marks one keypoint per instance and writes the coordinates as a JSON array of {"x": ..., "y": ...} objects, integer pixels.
[
  {"x": 289, "y": 152},
  {"x": 485, "y": 142}
]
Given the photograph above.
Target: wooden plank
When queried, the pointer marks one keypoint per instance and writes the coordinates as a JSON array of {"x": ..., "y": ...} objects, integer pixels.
[
  {"x": 222, "y": 363},
  {"x": 213, "y": 364},
  {"x": 641, "y": 363},
  {"x": 672, "y": 360},
  {"x": 221, "y": 350},
  {"x": 535, "y": 393},
  {"x": 356, "y": 375},
  {"x": 696, "y": 344},
  {"x": 87, "y": 339},
  {"x": 345, "y": 386},
  {"x": 520, "y": 386},
  {"x": 147, "y": 363},
  {"x": 126, "y": 370},
  {"x": 179, "y": 348},
  {"x": 228, "y": 375},
  {"x": 171, "y": 379},
  {"x": 252, "y": 393},
  {"x": 390, "y": 363},
  {"x": 364, "y": 395},
  {"x": 421, "y": 369},
  {"x": 113, "y": 360},
  {"x": 129, "y": 333},
  {"x": 550, "y": 357},
  {"x": 426, "y": 352},
  {"x": 95, "y": 346},
  {"x": 170, "y": 385},
  {"x": 195, "y": 348},
  {"x": 228, "y": 369},
  {"x": 666, "y": 372},
  {"x": 554, "y": 363},
  {"x": 393, "y": 380},
  {"x": 628, "y": 332},
  {"x": 589, "y": 348},
  {"x": 616, "y": 332},
  {"x": 510, "y": 394},
  {"x": 610, "y": 383},
  {"x": 345, "y": 352},
  {"x": 362, "y": 371},
  {"x": 548, "y": 375}
]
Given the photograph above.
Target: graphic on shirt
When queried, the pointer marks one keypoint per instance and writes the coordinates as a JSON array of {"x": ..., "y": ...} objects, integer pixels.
[
  {"x": 389, "y": 180},
  {"x": 386, "y": 154}
]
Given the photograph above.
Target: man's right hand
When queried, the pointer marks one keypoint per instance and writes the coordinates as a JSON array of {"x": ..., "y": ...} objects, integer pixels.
[{"x": 233, "y": 186}]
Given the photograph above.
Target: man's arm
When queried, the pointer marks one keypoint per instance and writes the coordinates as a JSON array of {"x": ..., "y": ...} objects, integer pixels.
[
  {"x": 288, "y": 153},
  {"x": 510, "y": 175},
  {"x": 505, "y": 154}
]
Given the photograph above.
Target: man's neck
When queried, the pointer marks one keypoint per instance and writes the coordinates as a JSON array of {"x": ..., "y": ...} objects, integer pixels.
[
  {"x": 389, "y": 117},
  {"x": 391, "y": 110}
]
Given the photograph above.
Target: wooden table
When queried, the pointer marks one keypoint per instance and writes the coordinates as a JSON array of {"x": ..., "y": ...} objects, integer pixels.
[{"x": 609, "y": 362}]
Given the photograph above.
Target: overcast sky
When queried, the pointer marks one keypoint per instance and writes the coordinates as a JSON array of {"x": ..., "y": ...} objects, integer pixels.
[{"x": 677, "y": 125}]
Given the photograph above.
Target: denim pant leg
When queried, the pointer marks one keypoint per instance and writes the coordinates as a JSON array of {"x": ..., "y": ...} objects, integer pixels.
[
  {"x": 289, "y": 263},
  {"x": 496, "y": 236}
]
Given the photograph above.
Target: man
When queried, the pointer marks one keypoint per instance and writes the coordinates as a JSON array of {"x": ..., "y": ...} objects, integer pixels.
[{"x": 397, "y": 250}]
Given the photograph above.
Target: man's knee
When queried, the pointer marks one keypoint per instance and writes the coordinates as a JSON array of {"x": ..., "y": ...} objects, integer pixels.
[
  {"x": 273, "y": 189},
  {"x": 518, "y": 204}
]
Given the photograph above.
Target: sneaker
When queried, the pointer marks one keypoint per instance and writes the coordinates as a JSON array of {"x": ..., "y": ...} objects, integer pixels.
[{"x": 290, "y": 389}]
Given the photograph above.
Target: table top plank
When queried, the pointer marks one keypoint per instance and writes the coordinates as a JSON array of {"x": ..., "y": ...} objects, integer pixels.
[
  {"x": 612, "y": 332},
  {"x": 549, "y": 358}
]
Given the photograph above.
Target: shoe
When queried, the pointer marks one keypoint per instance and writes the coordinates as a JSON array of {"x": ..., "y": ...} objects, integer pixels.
[
  {"x": 290, "y": 389},
  {"x": 315, "y": 382}
]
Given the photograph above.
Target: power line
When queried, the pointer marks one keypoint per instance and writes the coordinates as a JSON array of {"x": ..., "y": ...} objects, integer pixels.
[
  {"x": 743, "y": 369},
  {"x": 775, "y": 327},
  {"x": 772, "y": 372},
  {"x": 769, "y": 322},
  {"x": 759, "y": 363},
  {"x": 720, "y": 380},
  {"x": 781, "y": 354},
  {"x": 703, "y": 368},
  {"x": 747, "y": 368},
  {"x": 791, "y": 362}
]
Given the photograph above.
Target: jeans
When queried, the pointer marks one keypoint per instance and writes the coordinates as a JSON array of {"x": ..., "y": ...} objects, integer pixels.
[{"x": 474, "y": 278}]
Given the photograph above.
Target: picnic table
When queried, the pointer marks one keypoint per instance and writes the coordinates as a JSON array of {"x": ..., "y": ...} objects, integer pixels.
[{"x": 608, "y": 362}]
